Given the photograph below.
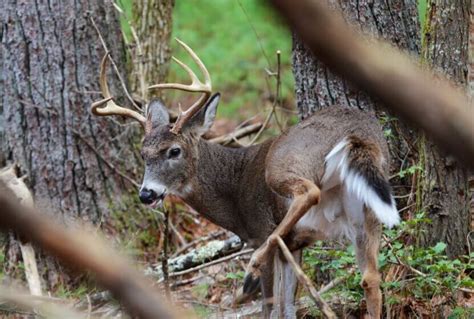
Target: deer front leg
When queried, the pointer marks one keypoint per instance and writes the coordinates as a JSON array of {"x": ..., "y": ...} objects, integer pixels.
[{"x": 305, "y": 195}]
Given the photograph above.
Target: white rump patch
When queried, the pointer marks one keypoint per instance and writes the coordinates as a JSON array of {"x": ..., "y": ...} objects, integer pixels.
[{"x": 338, "y": 172}]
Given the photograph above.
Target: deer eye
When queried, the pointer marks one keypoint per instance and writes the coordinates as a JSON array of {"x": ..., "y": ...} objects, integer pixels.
[{"x": 174, "y": 152}]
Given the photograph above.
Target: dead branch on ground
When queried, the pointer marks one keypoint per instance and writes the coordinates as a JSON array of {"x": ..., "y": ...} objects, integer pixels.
[{"x": 212, "y": 253}]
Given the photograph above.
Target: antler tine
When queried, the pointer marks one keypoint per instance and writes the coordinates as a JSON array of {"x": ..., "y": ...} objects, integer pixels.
[
  {"x": 196, "y": 86},
  {"x": 107, "y": 106}
]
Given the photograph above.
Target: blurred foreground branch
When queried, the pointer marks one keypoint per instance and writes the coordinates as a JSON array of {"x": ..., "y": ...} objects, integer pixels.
[
  {"x": 429, "y": 103},
  {"x": 78, "y": 249}
]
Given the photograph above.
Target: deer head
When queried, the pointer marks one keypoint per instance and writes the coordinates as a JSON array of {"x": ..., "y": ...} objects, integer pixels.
[{"x": 169, "y": 150}]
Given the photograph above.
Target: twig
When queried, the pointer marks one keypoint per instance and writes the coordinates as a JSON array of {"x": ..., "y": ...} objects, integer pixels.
[
  {"x": 274, "y": 104},
  {"x": 419, "y": 273},
  {"x": 44, "y": 307},
  {"x": 277, "y": 100},
  {"x": 164, "y": 256},
  {"x": 255, "y": 32},
  {"x": 214, "y": 262},
  {"x": 333, "y": 283},
  {"x": 185, "y": 281},
  {"x": 265, "y": 124},
  {"x": 323, "y": 306},
  {"x": 180, "y": 237},
  {"x": 244, "y": 131}
]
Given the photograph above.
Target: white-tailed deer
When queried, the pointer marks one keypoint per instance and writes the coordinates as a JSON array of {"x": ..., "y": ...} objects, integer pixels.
[{"x": 322, "y": 179}]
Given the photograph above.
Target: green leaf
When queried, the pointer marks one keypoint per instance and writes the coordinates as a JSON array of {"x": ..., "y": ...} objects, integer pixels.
[{"x": 439, "y": 248}]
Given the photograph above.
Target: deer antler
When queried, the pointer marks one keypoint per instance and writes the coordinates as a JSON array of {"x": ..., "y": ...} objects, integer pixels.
[
  {"x": 107, "y": 106},
  {"x": 195, "y": 86}
]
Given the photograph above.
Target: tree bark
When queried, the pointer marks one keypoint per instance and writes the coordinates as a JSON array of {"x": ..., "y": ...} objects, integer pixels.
[
  {"x": 152, "y": 21},
  {"x": 445, "y": 193},
  {"x": 50, "y": 56},
  {"x": 317, "y": 87},
  {"x": 445, "y": 183}
]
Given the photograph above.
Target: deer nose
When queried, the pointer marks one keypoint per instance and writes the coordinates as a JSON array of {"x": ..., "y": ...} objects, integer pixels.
[{"x": 147, "y": 196}]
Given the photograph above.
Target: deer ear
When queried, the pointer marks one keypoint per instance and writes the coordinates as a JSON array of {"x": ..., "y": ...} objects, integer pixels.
[
  {"x": 202, "y": 121},
  {"x": 156, "y": 115}
]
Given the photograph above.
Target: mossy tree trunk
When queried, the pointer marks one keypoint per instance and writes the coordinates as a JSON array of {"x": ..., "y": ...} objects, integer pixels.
[
  {"x": 445, "y": 189},
  {"x": 50, "y": 55}
]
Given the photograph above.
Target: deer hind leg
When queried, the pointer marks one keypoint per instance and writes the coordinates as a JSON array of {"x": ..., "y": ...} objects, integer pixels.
[
  {"x": 305, "y": 195},
  {"x": 367, "y": 249},
  {"x": 267, "y": 286},
  {"x": 285, "y": 287}
]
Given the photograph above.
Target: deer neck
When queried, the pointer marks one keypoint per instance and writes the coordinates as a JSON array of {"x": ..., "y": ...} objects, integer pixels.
[{"x": 216, "y": 188}]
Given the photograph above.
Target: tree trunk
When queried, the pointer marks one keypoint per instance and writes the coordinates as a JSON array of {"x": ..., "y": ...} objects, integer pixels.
[
  {"x": 50, "y": 58},
  {"x": 397, "y": 21},
  {"x": 445, "y": 186},
  {"x": 152, "y": 21},
  {"x": 317, "y": 87}
]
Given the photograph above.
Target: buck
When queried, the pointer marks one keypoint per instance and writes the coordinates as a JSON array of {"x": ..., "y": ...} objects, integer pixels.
[{"x": 324, "y": 178}]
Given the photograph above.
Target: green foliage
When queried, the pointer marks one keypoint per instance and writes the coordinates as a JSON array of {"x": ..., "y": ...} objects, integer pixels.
[
  {"x": 410, "y": 171},
  {"x": 239, "y": 275},
  {"x": 430, "y": 273},
  {"x": 73, "y": 293},
  {"x": 200, "y": 291},
  {"x": 237, "y": 41}
]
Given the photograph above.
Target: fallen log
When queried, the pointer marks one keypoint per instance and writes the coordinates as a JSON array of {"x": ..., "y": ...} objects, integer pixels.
[{"x": 213, "y": 250}]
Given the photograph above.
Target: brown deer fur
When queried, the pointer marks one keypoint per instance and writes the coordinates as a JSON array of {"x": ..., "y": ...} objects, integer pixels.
[{"x": 266, "y": 189}]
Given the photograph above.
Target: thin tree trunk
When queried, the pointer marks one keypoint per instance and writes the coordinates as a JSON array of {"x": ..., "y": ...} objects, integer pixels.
[
  {"x": 445, "y": 187},
  {"x": 50, "y": 57},
  {"x": 152, "y": 22}
]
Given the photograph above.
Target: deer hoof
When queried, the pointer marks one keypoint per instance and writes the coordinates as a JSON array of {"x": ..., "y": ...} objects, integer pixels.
[{"x": 251, "y": 283}]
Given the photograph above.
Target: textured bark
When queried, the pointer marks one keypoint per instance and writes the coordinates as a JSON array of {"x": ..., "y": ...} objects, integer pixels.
[
  {"x": 152, "y": 21},
  {"x": 50, "y": 57},
  {"x": 50, "y": 61},
  {"x": 445, "y": 187},
  {"x": 317, "y": 87}
]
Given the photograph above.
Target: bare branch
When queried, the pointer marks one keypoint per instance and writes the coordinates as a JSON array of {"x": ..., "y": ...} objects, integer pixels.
[
  {"x": 77, "y": 248},
  {"x": 323, "y": 306}
]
